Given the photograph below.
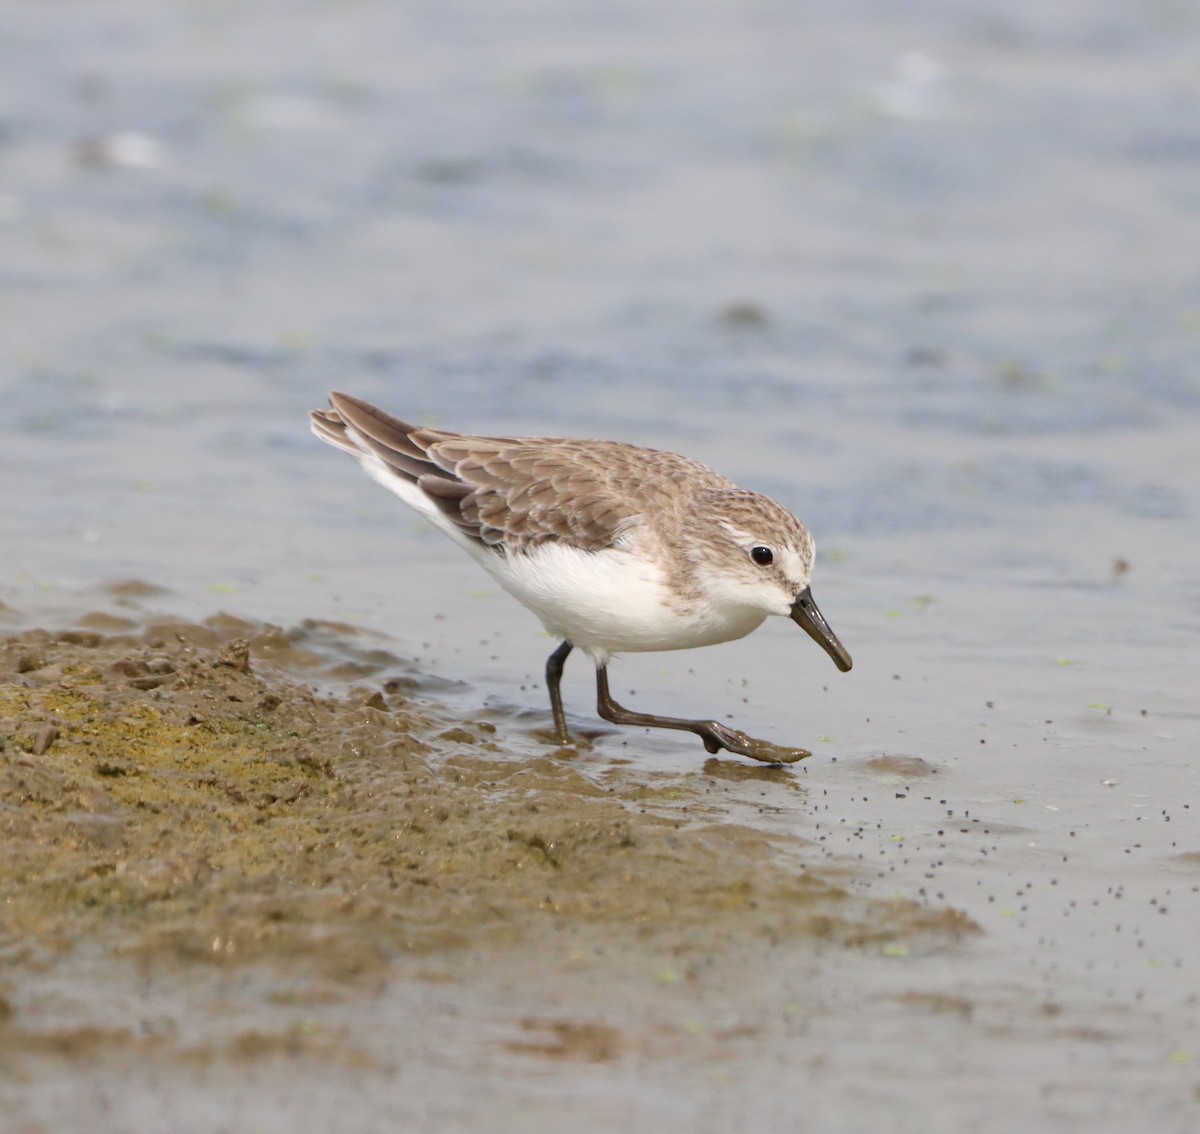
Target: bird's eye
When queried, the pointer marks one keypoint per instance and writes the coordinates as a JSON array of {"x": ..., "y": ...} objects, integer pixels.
[{"x": 763, "y": 556}]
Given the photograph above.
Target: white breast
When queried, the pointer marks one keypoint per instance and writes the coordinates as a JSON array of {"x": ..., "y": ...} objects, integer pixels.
[{"x": 613, "y": 601}]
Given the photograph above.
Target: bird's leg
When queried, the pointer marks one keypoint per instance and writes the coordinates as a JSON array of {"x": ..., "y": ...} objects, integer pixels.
[
  {"x": 715, "y": 735},
  {"x": 554, "y": 669}
]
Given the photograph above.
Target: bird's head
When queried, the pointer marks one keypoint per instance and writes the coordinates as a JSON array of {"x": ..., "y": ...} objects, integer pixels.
[{"x": 758, "y": 555}]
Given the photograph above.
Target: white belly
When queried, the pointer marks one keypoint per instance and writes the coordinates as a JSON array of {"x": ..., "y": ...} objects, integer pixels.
[{"x": 613, "y": 601}]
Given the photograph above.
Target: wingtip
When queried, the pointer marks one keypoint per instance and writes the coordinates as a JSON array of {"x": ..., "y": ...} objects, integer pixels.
[
  {"x": 340, "y": 400},
  {"x": 332, "y": 416},
  {"x": 327, "y": 426}
]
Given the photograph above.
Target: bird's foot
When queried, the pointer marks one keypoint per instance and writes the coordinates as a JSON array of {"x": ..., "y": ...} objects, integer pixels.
[
  {"x": 582, "y": 740},
  {"x": 717, "y": 736}
]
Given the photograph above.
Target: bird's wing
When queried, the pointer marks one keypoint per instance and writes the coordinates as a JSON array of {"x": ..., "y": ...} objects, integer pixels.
[{"x": 512, "y": 493}]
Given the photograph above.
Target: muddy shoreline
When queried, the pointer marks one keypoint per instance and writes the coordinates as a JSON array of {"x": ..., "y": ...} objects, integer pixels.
[
  {"x": 186, "y": 805},
  {"x": 182, "y": 787}
]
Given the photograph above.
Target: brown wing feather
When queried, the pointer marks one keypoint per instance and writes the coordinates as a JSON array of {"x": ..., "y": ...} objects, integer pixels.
[
  {"x": 387, "y": 437},
  {"x": 515, "y": 493},
  {"x": 533, "y": 490}
]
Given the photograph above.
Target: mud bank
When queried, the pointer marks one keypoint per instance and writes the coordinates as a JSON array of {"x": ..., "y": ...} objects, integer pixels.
[
  {"x": 186, "y": 788},
  {"x": 235, "y": 853}
]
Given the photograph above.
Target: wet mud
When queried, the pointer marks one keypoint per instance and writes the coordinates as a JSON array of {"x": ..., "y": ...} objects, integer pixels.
[
  {"x": 182, "y": 802},
  {"x": 176, "y": 788}
]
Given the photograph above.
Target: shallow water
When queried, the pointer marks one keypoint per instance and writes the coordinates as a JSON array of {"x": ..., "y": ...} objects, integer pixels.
[{"x": 931, "y": 281}]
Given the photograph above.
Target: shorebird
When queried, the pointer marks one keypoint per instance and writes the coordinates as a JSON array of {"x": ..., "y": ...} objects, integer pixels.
[{"x": 617, "y": 549}]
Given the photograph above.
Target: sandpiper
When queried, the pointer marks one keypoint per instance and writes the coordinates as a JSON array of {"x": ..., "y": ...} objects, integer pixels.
[{"x": 616, "y": 549}]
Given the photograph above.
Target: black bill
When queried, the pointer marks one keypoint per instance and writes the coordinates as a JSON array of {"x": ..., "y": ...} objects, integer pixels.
[{"x": 806, "y": 615}]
